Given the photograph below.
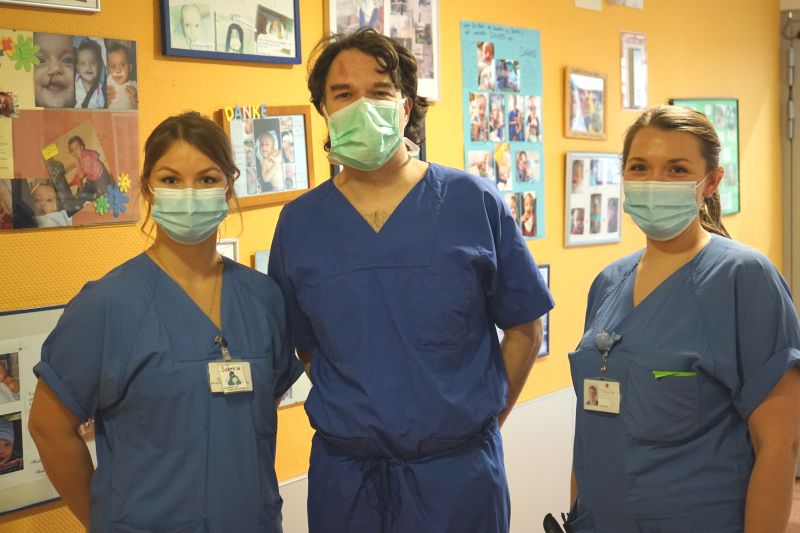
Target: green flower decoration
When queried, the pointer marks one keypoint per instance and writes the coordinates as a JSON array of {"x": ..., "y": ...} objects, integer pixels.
[
  {"x": 101, "y": 205},
  {"x": 24, "y": 54}
]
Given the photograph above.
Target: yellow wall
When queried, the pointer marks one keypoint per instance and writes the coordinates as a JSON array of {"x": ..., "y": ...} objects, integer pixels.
[{"x": 714, "y": 48}]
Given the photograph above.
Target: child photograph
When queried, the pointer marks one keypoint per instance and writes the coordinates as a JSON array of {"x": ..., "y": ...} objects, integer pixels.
[
  {"x": 477, "y": 117},
  {"x": 512, "y": 201},
  {"x": 6, "y": 205},
  {"x": 576, "y": 217},
  {"x": 497, "y": 113},
  {"x": 507, "y": 75},
  {"x": 86, "y": 169},
  {"x": 502, "y": 157},
  {"x": 481, "y": 163},
  {"x": 486, "y": 76},
  {"x": 190, "y": 26},
  {"x": 533, "y": 118},
  {"x": 121, "y": 91},
  {"x": 90, "y": 73},
  {"x": 269, "y": 171},
  {"x": 11, "y": 443},
  {"x": 527, "y": 219},
  {"x": 54, "y": 74},
  {"x": 9, "y": 377}
]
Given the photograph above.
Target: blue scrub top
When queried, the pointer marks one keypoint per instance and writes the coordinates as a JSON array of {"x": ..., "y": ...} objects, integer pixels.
[
  {"x": 678, "y": 457},
  {"x": 132, "y": 351},
  {"x": 401, "y": 323}
]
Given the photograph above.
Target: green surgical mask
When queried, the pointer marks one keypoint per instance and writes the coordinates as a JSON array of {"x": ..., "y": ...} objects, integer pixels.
[
  {"x": 366, "y": 133},
  {"x": 189, "y": 215}
]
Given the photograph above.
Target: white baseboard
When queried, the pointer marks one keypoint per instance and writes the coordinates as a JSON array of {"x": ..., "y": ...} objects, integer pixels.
[{"x": 537, "y": 439}]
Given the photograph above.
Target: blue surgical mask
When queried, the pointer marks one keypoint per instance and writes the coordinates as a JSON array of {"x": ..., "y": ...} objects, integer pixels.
[
  {"x": 662, "y": 209},
  {"x": 189, "y": 216},
  {"x": 365, "y": 133}
]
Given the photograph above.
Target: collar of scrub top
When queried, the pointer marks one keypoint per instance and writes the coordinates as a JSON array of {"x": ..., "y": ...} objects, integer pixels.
[{"x": 223, "y": 345}]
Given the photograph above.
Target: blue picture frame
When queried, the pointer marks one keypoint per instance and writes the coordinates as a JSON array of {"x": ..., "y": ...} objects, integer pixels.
[{"x": 280, "y": 32}]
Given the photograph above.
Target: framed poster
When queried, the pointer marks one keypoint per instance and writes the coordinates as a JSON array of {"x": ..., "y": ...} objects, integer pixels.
[
  {"x": 412, "y": 23},
  {"x": 69, "y": 130},
  {"x": 633, "y": 70},
  {"x": 266, "y": 31},
  {"x": 229, "y": 248},
  {"x": 585, "y": 97},
  {"x": 724, "y": 115},
  {"x": 593, "y": 198},
  {"x": 501, "y": 91},
  {"x": 544, "y": 270},
  {"x": 270, "y": 147},
  {"x": 74, "y": 5}
]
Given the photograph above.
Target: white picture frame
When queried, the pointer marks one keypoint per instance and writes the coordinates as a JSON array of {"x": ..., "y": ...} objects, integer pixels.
[
  {"x": 229, "y": 248},
  {"x": 593, "y": 198},
  {"x": 71, "y": 5}
]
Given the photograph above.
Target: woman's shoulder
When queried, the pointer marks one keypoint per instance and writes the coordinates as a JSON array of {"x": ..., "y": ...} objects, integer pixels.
[
  {"x": 728, "y": 260},
  {"x": 256, "y": 283}
]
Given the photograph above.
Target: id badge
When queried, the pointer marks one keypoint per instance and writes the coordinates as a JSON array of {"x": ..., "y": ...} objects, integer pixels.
[
  {"x": 229, "y": 376},
  {"x": 601, "y": 395}
]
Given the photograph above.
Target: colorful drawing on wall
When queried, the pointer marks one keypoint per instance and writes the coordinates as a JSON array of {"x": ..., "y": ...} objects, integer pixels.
[
  {"x": 69, "y": 130},
  {"x": 502, "y": 103},
  {"x": 245, "y": 30},
  {"x": 724, "y": 115},
  {"x": 412, "y": 23},
  {"x": 592, "y": 199},
  {"x": 270, "y": 147}
]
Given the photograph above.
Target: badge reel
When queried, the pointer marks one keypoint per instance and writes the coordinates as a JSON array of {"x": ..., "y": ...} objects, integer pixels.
[
  {"x": 229, "y": 375},
  {"x": 601, "y": 394}
]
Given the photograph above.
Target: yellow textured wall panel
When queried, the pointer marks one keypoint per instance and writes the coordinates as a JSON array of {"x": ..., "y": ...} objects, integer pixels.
[{"x": 714, "y": 48}]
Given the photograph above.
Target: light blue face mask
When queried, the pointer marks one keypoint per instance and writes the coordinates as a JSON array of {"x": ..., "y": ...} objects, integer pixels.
[
  {"x": 365, "y": 133},
  {"x": 662, "y": 209},
  {"x": 189, "y": 216}
]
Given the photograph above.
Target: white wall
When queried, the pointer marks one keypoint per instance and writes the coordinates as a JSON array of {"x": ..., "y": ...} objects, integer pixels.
[{"x": 537, "y": 438}]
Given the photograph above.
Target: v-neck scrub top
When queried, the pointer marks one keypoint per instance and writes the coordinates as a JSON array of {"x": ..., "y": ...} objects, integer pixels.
[
  {"x": 132, "y": 351},
  {"x": 401, "y": 323},
  {"x": 696, "y": 357}
]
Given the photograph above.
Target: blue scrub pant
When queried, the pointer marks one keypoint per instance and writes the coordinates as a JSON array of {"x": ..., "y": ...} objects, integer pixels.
[{"x": 458, "y": 487}]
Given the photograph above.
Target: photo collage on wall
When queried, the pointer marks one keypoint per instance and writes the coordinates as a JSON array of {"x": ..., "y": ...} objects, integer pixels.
[
  {"x": 593, "y": 199},
  {"x": 69, "y": 130},
  {"x": 270, "y": 151},
  {"x": 248, "y": 27},
  {"x": 11, "y": 442},
  {"x": 412, "y": 23},
  {"x": 502, "y": 88}
]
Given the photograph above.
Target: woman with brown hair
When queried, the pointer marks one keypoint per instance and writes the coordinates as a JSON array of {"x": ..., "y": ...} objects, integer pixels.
[
  {"x": 147, "y": 350},
  {"x": 692, "y": 346}
]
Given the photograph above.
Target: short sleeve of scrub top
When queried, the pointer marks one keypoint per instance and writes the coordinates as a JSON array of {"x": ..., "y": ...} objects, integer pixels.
[
  {"x": 766, "y": 334},
  {"x": 516, "y": 293},
  {"x": 81, "y": 332}
]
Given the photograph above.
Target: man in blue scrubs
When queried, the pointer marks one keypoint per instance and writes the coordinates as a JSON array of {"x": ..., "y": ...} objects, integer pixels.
[{"x": 396, "y": 274}]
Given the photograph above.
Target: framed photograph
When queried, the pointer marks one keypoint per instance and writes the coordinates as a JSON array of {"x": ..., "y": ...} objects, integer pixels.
[
  {"x": 412, "y": 23},
  {"x": 229, "y": 248},
  {"x": 593, "y": 198},
  {"x": 633, "y": 70},
  {"x": 270, "y": 147},
  {"x": 73, "y": 5},
  {"x": 261, "y": 261},
  {"x": 245, "y": 30},
  {"x": 544, "y": 270},
  {"x": 585, "y": 97},
  {"x": 724, "y": 115}
]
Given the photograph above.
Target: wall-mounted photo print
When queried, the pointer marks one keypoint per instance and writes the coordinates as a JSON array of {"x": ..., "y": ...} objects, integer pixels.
[
  {"x": 270, "y": 147},
  {"x": 593, "y": 192},
  {"x": 266, "y": 31},
  {"x": 412, "y": 23},
  {"x": 585, "y": 104},
  {"x": 503, "y": 130},
  {"x": 11, "y": 452},
  {"x": 9, "y": 377}
]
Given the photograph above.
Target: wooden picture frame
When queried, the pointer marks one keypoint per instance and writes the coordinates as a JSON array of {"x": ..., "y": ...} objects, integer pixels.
[
  {"x": 245, "y": 30},
  {"x": 286, "y": 128},
  {"x": 586, "y": 104}
]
